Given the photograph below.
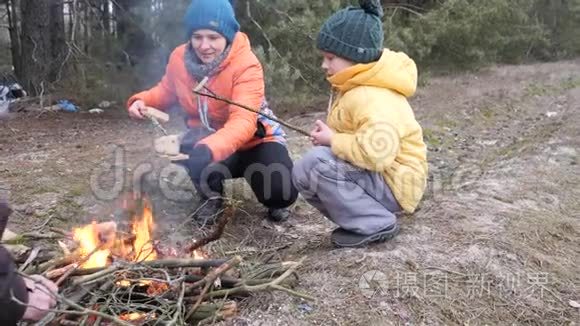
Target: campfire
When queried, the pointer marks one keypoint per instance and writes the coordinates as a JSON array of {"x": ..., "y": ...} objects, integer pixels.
[
  {"x": 100, "y": 244},
  {"x": 117, "y": 273}
]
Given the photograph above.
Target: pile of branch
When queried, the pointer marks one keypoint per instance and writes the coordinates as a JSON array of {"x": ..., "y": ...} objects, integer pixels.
[
  {"x": 176, "y": 291},
  {"x": 168, "y": 291}
]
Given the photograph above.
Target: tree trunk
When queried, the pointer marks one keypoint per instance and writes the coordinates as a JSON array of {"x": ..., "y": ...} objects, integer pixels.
[
  {"x": 135, "y": 42},
  {"x": 35, "y": 41},
  {"x": 13, "y": 22},
  {"x": 71, "y": 20},
  {"x": 106, "y": 18},
  {"x": 87, "y": 27},
  {"x": 57, "y": 39},
  {"x": 106, "y": 23}
]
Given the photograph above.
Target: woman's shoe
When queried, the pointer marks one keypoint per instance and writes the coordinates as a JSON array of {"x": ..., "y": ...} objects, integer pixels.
[{"x": 278, "y": 214}]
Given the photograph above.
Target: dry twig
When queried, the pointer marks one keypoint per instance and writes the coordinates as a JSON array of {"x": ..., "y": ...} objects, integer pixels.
[
  {"x": 275, "y": 284},
  {"x": 229, "y": 215},
  {"x": 209, "y": 280}
]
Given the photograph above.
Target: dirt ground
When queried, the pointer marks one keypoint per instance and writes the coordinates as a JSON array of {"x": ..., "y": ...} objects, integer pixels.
[{"x": 496, "y": 239}]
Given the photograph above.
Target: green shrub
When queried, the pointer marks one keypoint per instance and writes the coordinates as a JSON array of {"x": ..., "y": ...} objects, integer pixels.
[{"x": 469, "y": 33}]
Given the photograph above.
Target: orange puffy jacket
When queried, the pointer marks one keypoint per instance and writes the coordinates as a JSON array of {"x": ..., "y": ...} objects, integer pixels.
[{"x": 240, "y": 78}]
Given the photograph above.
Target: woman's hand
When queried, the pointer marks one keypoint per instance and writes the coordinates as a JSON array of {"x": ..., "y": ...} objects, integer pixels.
[
  {"x": 322, "y": 134},
  {"x": 40, "y": 298},
  {"x": 136, "y": 109},
  {"x": 200, "y": 157}
]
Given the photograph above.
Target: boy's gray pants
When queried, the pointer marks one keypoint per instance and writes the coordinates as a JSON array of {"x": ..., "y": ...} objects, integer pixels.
[{"x": 357, "y": 200}]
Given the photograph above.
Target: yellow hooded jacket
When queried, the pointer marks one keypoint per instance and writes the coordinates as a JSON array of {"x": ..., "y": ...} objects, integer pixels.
[{"x": 375, "y": 127}]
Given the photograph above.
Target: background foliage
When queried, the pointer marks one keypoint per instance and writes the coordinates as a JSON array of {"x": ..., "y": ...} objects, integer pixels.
[{"x": 121, "y": 46}]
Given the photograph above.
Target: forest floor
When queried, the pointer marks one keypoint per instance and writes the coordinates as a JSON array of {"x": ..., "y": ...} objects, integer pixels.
[{"x": 496, "y": 239}]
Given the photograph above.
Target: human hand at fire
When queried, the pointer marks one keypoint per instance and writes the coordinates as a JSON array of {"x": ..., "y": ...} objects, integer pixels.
[{"x": 40, "y": 297}]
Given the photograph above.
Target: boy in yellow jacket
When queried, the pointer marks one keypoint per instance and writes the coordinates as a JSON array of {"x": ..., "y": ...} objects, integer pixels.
[{"x": 369, "y": 162}]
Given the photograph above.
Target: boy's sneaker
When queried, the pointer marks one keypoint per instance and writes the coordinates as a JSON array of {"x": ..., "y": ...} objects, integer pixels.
[
  {"x": 343, "y": 238},
  {"x": 278, "y": 214},
  {"x": 209, "y": 211}
]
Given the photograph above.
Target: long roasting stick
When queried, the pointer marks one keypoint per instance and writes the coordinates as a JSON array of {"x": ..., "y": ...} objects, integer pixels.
[{"x": 223, "y": 99}]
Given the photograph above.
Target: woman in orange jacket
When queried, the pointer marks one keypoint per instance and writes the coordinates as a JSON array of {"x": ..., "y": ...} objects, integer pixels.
[{"x": 224, "y": 141}]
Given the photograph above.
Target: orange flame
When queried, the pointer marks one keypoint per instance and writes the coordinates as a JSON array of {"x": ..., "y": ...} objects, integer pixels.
[
  {"x": 199, "y": 254},
  {"x": 89, "y": 238},
  {"x": 143, "y": 242},
  {"x": 100, "y": 241}
]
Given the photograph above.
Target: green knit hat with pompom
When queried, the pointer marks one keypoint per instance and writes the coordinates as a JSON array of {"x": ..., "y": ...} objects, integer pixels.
[{"x": 354, "y": 33}]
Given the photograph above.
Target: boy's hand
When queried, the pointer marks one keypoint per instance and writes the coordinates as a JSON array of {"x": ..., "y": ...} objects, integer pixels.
[{"x": 322, "y": 134}]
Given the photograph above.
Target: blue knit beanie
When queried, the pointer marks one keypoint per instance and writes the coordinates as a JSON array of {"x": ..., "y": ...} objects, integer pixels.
[
  {"x": 354, "y": 33},
  {"x": 216, "y": 15}
]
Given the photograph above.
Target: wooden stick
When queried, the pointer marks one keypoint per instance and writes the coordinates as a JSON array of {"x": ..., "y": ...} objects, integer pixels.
[
  {"x": 53, "y": 263},
  {"x": 58, "y": 272},
  {"x": 210, "y": 310},
  {"x": 33, "y": 254},
  {"x": 94, "y": 276},
  {"x": 228, "y": 216},
  {"x": 222, "y": 269},
  {"x": 163, "y": 263},
  {"x": 179, "y": 305},
  {"x": 268, "y": 270},
  {"x": 42, "y": 257},
  {"x": 68, "y": 273},
  {"x": 210, "y": 279},
  {"x": 106, "y": 287},
  {"x": 262, "y": 287},
  {"x": 70, "y": 269},
  {"x": 231, "y": 282},
  {"x": 223, "y": 99},
  {"x": 30, "y": 236},
  {"x": 64, "y": 233}
]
